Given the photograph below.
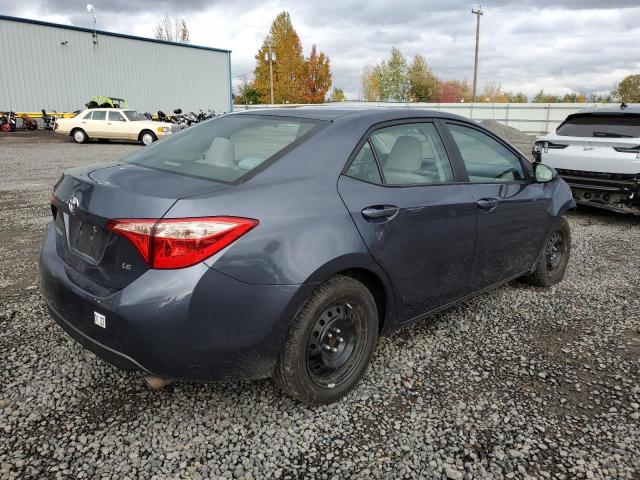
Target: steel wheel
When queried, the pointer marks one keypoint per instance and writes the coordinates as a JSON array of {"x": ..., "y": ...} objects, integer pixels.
[
  {"x": 556, "y": 249},
  {"x": 335, "y": 345}
]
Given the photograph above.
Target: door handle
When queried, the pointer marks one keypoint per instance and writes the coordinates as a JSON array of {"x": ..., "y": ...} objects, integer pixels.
[
  {"x": 380, "y": 212},
  {"x": 487, "y": 205}
]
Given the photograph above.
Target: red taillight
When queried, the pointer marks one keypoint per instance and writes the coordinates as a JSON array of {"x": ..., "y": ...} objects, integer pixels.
[{"x": 181, "y": 242}]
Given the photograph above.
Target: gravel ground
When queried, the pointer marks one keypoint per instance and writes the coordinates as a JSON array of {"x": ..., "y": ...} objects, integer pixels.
[{"x": 518, "y": 383}]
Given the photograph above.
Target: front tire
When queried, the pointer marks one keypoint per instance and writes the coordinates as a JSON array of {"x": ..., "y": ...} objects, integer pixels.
[
  {"x": 79, "y": 136},
  {"x": 330, "y": 343},
  {"x": 147, "y": 137},
  {"x": 552, "y": 264}
]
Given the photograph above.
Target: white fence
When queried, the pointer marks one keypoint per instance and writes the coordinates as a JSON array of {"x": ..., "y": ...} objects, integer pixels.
[{"x": 532, "y": 118}]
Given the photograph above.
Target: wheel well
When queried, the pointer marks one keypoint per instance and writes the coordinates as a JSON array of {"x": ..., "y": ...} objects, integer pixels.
[
  {"x": 75, "y": 129},
  {"x": 145, "y": 130},
  {"x": 375, "y": 286}
]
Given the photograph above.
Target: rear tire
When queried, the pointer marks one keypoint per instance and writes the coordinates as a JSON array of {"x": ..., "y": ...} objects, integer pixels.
[
  {"x": 147, "y": 137},
  {"x": 330, "y": 343},
  {"x": 553, "y": 261},
  {"x": 79, "y": 136}
]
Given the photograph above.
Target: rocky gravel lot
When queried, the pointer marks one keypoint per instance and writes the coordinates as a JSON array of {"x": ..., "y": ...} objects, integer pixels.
[{"x": 519, "y": 383}]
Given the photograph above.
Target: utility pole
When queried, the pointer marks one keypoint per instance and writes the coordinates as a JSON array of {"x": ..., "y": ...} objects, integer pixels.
[
  {"x": 270, "y": 57},
  {"x": 477, "y": 12}
]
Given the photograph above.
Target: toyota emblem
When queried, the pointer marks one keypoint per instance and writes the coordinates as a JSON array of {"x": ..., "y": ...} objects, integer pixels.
[{"x": 73, "y": 204}]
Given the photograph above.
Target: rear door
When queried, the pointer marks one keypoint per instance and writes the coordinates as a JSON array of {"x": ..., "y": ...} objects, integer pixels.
[
  {"x": 118, "y": 127},
  {"x": 512, "y": 209},
  {"x": 96, "y": 127},
  {"x": 418, "y": 221}
]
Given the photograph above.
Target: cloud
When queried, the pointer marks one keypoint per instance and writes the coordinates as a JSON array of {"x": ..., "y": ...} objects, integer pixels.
[{"x": 560, "y": 46}]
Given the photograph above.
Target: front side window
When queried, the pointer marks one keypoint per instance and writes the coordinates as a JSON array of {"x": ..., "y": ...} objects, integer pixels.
[
  {"x": 87, "y": 116},
  {"x": 99, "y": 115},
  {"x": 226, "y": 148},
  {"x": 412, "y": 154},
  {"x": 604, "y": 126},
  {"x": 486, "y": 160},
  {"x": 115, "y": 116},
  {"x": 134, "y": 116}
]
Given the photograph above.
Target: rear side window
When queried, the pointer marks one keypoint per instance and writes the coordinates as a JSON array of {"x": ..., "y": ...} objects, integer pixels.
[
  {"x": 364, "y": 166},
  {"x": 412, "y": 154},
  {"x": 227, "y": 148},
  {"x": 606, "y": 126},
  {"x": 486, "y": 160}
]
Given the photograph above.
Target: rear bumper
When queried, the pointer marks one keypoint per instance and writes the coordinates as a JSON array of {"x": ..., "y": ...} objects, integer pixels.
[
  {"x": 616, "y": 192},
  {"x": 193, "y": 324}
]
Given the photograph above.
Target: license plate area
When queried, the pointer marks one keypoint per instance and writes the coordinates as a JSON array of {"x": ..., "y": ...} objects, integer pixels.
[{"x": 87, "y": 239}]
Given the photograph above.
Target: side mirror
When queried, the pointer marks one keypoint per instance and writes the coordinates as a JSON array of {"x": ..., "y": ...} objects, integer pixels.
[{"x": 544, "y": 173}]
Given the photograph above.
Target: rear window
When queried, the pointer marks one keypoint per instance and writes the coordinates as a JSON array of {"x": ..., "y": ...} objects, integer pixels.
[
  {"x": 226, "y": 149},
  {"x": 611, "y": 126}
]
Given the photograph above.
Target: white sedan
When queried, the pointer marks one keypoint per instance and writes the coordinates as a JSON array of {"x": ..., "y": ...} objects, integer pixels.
[{"x": 113, "y": 124}]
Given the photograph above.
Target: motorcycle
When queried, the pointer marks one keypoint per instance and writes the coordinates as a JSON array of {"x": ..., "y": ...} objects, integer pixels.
[
  {"x": 8, "y": 123},
  {"x": 49, "y": 121},
  {"x": 28, "y": 123}
]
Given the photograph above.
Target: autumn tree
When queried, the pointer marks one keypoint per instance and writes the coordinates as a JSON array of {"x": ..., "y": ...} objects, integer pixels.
[
  {"x": 295, "y": 79},
  {"x": 423, "y": 84},
  {"x": 493, "y": 93},
  {"x": 337, "y": 95},
  {"x": 172, "y": 30},
  {"x": 452, "y": 91},
  {"x": 628, "y": 90},
  {"x": 371, "y": 83},
  {"x": 317, "y": 77}
]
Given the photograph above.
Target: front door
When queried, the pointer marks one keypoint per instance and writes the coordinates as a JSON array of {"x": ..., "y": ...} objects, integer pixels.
[
  {"x": 512, "y": 210},
  {"x": 418, "y": 224},
  {"x": 118, "y": 127}
]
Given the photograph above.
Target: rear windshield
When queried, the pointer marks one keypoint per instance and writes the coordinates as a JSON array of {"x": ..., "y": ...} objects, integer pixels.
[
  {"x": 227, "y": 148},
  {"x": 612, "y": 126}
]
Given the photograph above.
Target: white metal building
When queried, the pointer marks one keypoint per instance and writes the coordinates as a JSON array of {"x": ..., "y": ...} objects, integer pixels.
[{"x": 59, "y": 67}]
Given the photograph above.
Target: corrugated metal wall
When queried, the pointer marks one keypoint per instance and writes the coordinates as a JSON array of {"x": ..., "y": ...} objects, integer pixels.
[{"x": 37, "y": 71}]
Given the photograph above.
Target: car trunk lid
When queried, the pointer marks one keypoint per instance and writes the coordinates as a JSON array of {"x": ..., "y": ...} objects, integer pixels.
[
  {"x": 592, "y": 154},
  {"x": 85, "y": 200}
]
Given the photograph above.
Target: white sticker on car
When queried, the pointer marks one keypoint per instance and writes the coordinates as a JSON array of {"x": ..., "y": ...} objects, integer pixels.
[{"x": 99, "y": 320}]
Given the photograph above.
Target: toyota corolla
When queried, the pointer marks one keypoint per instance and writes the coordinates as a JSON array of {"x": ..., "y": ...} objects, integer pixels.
[{"x": 283, "y": 242}]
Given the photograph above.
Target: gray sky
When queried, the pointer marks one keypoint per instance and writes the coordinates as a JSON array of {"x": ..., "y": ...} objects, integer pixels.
[{"x": 561, "y": 45}]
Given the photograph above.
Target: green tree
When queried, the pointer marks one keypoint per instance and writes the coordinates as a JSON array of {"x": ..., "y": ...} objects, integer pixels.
[
  {"x": 246, "y": 94},
  {"x": 600, "y": 98},
  {"x": 423, "y": 84},
  {"x": 542, "y": 97},
  {"x": 317, "y": 78},
  {"x": 394, "y": 78},
  {"x": 518, "y": 97},
  {"x": 289, "y": 66},
  {"x": 337, "y": 95},
  {"x": 628, "y": 90}
]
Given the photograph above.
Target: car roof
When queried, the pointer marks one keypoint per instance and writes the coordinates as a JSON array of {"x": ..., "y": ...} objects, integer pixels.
[
  {"x": 609, "y": 110},
  {"x": 375, "y": 114}
]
